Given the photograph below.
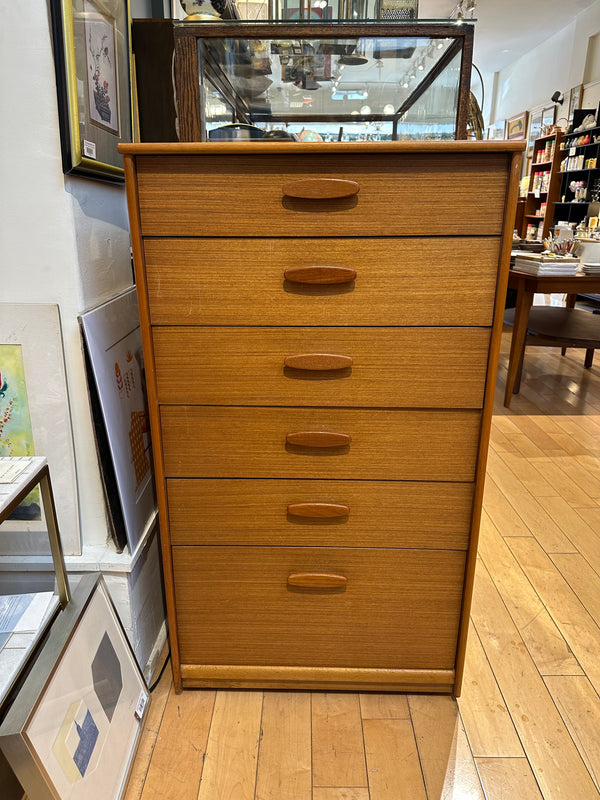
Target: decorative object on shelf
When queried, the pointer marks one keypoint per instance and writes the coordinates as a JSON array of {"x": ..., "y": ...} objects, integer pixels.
[
  {"x": 93, "y": 78},
  {"x": 205, "y": 10},
  {"x": 574, "y": 99},
  {"x": 516, "y": 127},
  {"x": 399, "y": 9},
  {"x": 74, "y": 726},
  {"x": 548, "y": 117}
]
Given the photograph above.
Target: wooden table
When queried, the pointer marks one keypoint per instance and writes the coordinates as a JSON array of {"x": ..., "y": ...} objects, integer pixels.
[{"x": 526, "y": 286}]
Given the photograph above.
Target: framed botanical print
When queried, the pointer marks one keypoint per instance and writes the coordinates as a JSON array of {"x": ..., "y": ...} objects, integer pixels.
[{"x": 93, "y": 78}]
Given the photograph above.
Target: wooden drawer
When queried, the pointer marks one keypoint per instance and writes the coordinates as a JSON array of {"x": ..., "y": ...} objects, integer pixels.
[
  {"x": 398, "y": 609},
  {"x": 408, "y": 281},
  {"x": 321, "y": 513},
  {"x": 234, "y": 442},
  {"x": 426, "y": 194},
  {"x": 410, "y": 367}
]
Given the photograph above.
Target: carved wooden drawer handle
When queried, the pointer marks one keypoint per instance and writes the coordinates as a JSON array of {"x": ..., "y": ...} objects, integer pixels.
[
  {"x": 318, "y": 439},
  {"x": 320, "y": 275},
  {"x": 321, "y": 188},
  {"x": 317, "y": 580},
  {"x": 318, "y": 510},
  {"x": 318, "y": 361}
]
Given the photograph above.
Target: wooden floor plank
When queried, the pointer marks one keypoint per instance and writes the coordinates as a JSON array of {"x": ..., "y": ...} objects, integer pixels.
[
  {"x": 501, "y": 512},
  {"x": 508, "y": 779},
  {"x": 152, "y": 724},
  {"x": 488, "y": 725},
  {"x": 556, "y": 763},
  {"x": 446, "y": 759},
  {"x": 338, "y": 749},
  {"x": 537, "y": 432},
  {"x": 336, "y": 793},
  {"x": 566, "y": 487},
  {"x": 392, "y": 760},
  {"x": 579, "y": 706},
  {"x": 529, "y": 475},
  {"x": 540, "y": 524},
  {"x": 584, "y": 537},
  {"x": 284, "y": 764},
  {"x": 582, "y": 476},
  {"x": 583, "y": 580},
  {"x": 176, "y": 764},
  {"x": 232, "y": 748},
  {"x": 544, "y": 641},
  {"x": 580, "y": 631},
  {"x": 384, "y": 706}
]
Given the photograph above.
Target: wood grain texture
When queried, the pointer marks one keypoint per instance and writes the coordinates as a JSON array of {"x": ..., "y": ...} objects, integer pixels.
[
  {"x": 320, "y": 188},
  {"x": 538, "y": 723},
  {"x": 406, "y": 367},
  {"x": 545, "y": 643},
  {"x": 317, "y": 580},
  {"x": 235, "y": 607},
  {"x": 382, "y": 513},
  {"x": 320, "y": 275},
  {"x": 579, "y": 706},
  {"x": 182, "y": 739},
  {"x": 338, "y": 752},
  {"x": 317, "y": 678},
  {"x": 211, "y": 281},
  {"x": 446, "y": 760},
  {"x": 284, "y": 763},
  {"x": 383, "y": 706},
  {"x": 490, "y": 729},
  {"x": 459, "y": 194},
  {"x": 318, "y": 510},
  {"x": 232, "y": 750},
  {"x": 392, "y": 760},
  {"x": 508, "y": 778},
  {"x": 399, "y": 445},
  {"x": 318, "y": 439}
]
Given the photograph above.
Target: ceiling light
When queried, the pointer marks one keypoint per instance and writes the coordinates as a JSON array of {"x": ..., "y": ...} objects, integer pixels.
[
  {"x": 389, "y": 108},
  {"x": 405, "y": 85},
  {"x": 365, "y": 110}
]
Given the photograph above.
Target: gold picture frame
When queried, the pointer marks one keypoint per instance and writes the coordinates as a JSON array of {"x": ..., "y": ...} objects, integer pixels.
[
  {"x": 516, "y": 127},
  {"x": 92, "y": 56}
]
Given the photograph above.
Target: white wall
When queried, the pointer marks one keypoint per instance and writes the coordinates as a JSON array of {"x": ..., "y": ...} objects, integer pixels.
[
  {"x": 558, "y": 63},
  {"x": 65, "y": 240}
]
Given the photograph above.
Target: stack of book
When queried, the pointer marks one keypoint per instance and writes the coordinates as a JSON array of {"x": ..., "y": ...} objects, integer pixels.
[{"x": 546, "y": 264}]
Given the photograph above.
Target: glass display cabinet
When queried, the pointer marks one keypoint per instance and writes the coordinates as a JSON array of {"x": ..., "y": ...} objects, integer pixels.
[{"x": 342, "y": 81}]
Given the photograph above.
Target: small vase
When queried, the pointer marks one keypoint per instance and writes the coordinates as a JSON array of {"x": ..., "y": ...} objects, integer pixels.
[{"x": 199, "y": 10}]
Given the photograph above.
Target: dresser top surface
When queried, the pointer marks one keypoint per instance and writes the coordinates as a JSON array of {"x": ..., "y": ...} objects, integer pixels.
[{"x": 261, "y": 148}]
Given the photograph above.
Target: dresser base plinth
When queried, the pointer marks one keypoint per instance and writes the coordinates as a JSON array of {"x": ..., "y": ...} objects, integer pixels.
[{"x": 218, "y": 676}]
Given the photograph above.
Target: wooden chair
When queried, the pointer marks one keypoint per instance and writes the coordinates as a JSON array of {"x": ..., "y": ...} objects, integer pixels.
[{"x": 553, "y": 326}]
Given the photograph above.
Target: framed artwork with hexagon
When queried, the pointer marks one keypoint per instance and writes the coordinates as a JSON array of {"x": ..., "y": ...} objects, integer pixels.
[{"x": 72, "y": 729}]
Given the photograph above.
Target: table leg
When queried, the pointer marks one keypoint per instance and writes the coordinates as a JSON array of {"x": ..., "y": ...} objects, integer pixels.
[{"x": 522, "y": 309}]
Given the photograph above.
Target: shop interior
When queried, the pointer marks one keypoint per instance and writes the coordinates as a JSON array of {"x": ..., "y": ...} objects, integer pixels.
[{"x": 374, "y": 224}]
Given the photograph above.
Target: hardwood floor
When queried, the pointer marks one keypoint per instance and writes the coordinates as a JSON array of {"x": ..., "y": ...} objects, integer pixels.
[{"x": 527, "y": 725}]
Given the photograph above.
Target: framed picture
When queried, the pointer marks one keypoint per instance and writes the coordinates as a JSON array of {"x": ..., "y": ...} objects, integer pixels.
[
  {"x": 112, "y": 341},
  {"x": 535, "y": 129},
  {"x": 35, "y": 419},
  {"x": 73, "y": 728},
  {"x": 575, "y": 99},
  {"x": 516, "y": 127},
  {"x": 93, "y": 78},
  {"x": 548, "y": 117}
]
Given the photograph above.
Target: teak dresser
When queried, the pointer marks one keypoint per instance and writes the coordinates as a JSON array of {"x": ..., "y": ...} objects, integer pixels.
[{"x": 321, "y": 325}]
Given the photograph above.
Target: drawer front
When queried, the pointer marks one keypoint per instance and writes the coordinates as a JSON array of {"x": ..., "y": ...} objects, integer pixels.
[
  {"x": 234, "y": 442},
  {"x": 399, "y": 194},
  {"x": 320, "y": 513},
  {"x": 409, "y": 281},
  {"x": 397, "y": 608},
  {"x": 410, "y": 367}
]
